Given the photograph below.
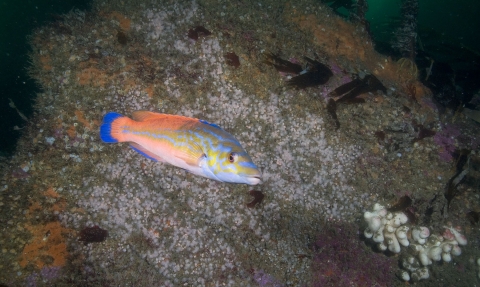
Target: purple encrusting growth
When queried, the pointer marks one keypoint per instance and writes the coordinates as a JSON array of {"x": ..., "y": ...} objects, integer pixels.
[
  {"x": 445, "y": 139},
  {"x": 47, "y": 275},
  {"x": 265, "y": 280},
  {"x": 31, "y": 280},
  {"x": 50, "y": 273},
  {"x": 335, "y": 68},
  {"x": 339, "y": 78},
  {"x": 342, "y": 259},
  {"x": 338, "y": 72}
]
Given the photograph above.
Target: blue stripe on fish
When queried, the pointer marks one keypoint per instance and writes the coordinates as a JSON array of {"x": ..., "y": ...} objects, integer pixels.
[
  {"x": 142, "y": 153},
  {"x": 247, "y": 164},
  {"x": 210, "y": 124},
  {"x": 153, "y": 135},
  {"x": 106, "y": 127}
]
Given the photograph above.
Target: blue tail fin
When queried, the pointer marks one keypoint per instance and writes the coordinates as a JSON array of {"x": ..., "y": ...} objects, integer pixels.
[{"x": 106, "y": 127}]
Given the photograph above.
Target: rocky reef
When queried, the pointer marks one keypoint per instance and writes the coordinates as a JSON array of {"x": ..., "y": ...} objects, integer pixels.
[{"x": 64, "y": 190}]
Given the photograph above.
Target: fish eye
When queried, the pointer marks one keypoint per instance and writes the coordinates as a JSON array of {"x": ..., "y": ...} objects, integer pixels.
[{"x": 232, "y": 157}]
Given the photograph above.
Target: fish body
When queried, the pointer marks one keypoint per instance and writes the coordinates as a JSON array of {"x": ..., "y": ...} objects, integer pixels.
[{"x": 195, "y": 145}]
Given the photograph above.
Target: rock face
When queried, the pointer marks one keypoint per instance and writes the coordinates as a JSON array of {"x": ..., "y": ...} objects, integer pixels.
[{"x": 177, "y": 228}]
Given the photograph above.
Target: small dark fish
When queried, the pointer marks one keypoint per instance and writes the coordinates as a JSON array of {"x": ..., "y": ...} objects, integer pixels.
[
  {"x": 315, "y": 74},
  {"x": 282, "y": 65},
  {"x": 347, "y": 92}
]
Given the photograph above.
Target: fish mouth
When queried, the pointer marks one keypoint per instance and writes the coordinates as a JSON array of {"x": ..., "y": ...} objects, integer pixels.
[{"x": 254, "y": 180}]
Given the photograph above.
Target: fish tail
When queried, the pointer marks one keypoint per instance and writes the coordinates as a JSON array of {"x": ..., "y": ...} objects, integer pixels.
[{"x": 112, "y": 126}]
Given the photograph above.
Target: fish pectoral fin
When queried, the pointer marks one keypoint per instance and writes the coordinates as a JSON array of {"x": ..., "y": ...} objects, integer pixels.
[
  {"x": 146, "y": 153},
  {"x": 191, "y": 156}
]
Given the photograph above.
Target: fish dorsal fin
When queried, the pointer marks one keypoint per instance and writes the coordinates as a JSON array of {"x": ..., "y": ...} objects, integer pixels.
[
  {"x": 141, "y": 116},
  {"x": 191, "y": 155},
  {"x": 210, "y": 124},
  {"x": 138, "y": 148}
]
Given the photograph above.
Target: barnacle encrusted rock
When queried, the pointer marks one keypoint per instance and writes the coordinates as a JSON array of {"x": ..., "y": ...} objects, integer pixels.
[{"x": 176, "y": 228}]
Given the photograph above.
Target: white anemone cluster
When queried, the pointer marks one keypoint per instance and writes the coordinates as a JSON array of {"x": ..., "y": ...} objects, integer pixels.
[
  {"x": 389, "y": 231},
  {"x": 438, "y": 247}
]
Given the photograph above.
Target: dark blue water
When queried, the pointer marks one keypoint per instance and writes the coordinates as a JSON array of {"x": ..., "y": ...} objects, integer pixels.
[{"x": 18, "y": 19}]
